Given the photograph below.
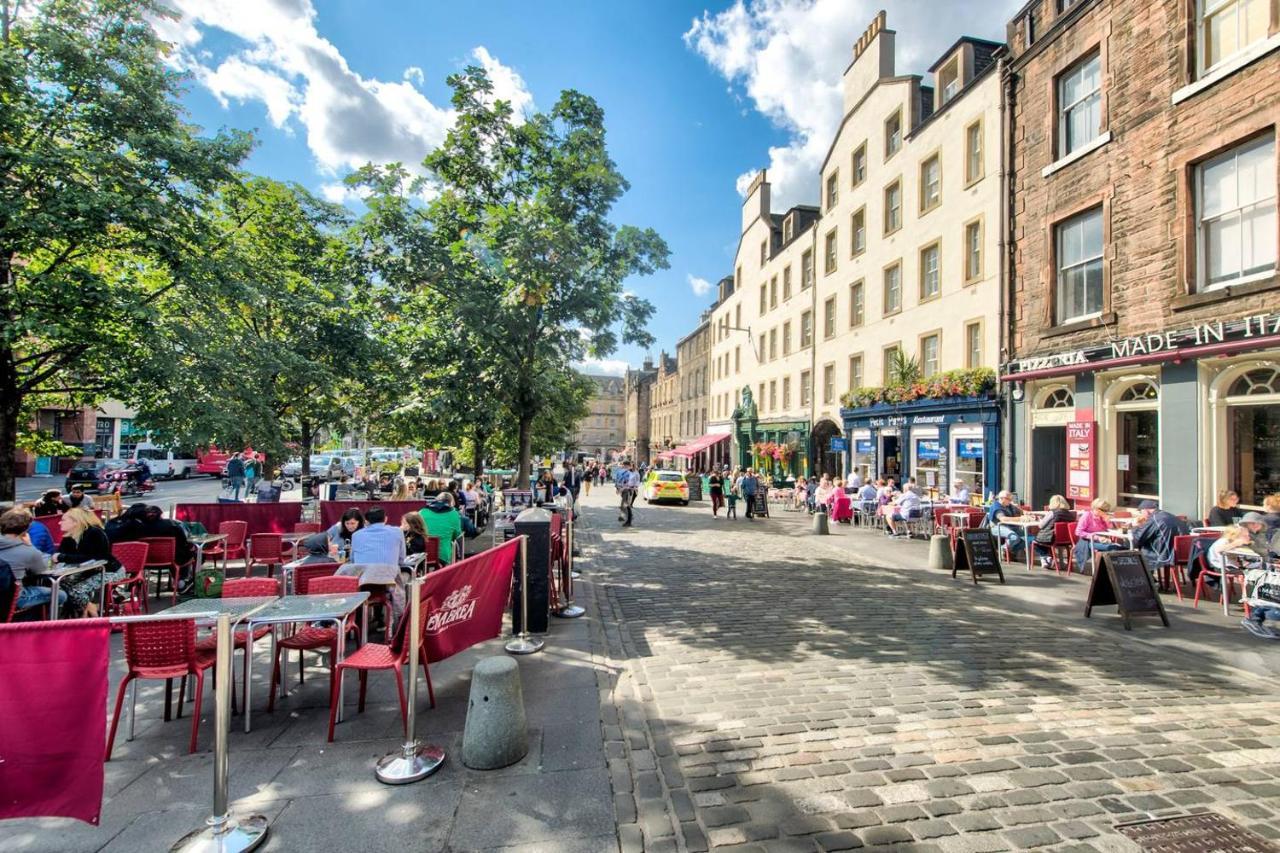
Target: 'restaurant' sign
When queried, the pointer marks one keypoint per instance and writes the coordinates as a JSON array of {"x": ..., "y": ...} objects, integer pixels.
[{"x": 1201, "y": 334}]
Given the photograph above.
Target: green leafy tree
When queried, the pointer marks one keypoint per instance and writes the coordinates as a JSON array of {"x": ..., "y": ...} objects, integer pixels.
[
  {"x": 515, "y": 246},
  {"x": 101, "y": 187},
  {"x": 278, "y": 348}
]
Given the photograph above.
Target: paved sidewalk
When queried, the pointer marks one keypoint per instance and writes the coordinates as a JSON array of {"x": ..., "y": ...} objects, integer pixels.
[
  {"x": 321, "y": 796},
  {"x": 778, "y": 691}
]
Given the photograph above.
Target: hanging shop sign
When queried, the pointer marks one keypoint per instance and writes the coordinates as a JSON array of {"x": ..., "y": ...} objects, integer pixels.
[{"x": 1081, "y": 447}]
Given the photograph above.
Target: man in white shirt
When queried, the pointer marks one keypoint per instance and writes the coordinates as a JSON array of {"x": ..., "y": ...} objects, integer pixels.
[
  {"x": 628, "y": 486},
  {"x": 907, "y": 504},
  {"x": 959, "y": 493}
]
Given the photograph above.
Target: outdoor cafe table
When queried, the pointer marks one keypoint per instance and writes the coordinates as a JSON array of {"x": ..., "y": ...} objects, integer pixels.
[
  {"x": 309, "y": 609},
  {"x": 202, "y": 541},
  {"x": 1030, "y": 524},
  {"x": 1239, "y": 559},
  {"x": 62, "y": 570}
]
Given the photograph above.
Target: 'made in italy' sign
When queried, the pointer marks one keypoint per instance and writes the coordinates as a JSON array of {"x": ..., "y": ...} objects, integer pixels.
[{"x": 1202, "y": 334}]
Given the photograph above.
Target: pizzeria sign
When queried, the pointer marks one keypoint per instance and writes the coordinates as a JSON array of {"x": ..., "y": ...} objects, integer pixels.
[{"x": 1201, "y": 334}]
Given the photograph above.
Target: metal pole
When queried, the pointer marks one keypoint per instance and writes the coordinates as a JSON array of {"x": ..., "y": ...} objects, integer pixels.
[
  {"x": 570, "y": 610},
  {"x": 524, "y": 644},
  {"x": 413, "y": 761},
  {"x": 222, "y": 833}
]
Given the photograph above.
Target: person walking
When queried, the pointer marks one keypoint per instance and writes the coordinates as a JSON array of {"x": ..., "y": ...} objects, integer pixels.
[
  {"x": 252, "y": 472},
  {"x": 588, "y": 477},
  {"x": 628, "y": 486},
  {"x": 572, "y": 480},
  {"x": 715, "y": 485},
  {"x": 747, "y": 486},
  {"x": 235, "y": 475}
]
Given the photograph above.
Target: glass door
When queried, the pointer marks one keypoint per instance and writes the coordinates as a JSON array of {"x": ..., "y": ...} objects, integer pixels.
[{"x": 1138, "y": 456}]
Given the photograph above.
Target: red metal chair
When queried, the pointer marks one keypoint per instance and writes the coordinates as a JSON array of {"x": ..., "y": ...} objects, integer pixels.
[
  {"x": 133, "y": 559},
  {"x": 52, "y": 523},
  {"x": 231, "y": 548},
  {"x": 265, "y": 549},
  {"x": 313, "y": 639},
  {"x": 1064, "y": 540},
  {"x": 162, "y": 650},
  {"x": 242, "y": 588},
  {"x": 375, "y": 656},
  {"x": 308, "y": 527},
  {"x": 1226, "y": 585},
  {"x": 432, "y": 562},
  {"x": 307, "y": 573},
  {"x": 161, "y": 558}
]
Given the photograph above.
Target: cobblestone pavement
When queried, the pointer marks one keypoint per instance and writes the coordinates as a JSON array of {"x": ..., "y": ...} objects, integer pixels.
[{"x": 771, "y": 692}]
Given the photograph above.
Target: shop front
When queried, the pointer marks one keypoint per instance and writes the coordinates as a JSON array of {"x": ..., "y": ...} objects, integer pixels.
[
  {"x": 776, "y": 447},
  {"x": 1172, "y": 417},
  {"x": 935, "y": 440}
]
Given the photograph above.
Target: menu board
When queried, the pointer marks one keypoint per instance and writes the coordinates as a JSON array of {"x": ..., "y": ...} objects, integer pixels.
[
  {"x": 1123, "y": 580},
  {"x": 1081, "y": 460},
  {"x": 977, "y": 553}
]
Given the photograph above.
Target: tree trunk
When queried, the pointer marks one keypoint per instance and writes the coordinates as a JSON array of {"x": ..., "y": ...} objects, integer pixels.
[
  {"x": 304, "y": 427},
  {"x": 526, "y": 452},
  {"x": 477, "y": 457},
  {"x": 9, "y": 408}
]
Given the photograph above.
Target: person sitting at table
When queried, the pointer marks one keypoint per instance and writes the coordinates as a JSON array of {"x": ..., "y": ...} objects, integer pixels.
[
  {"x": 376, "y": 542},
  {"x": 1011, "y": 536},
  {"x": 822, "y": 492},
  {"x": 1235, "y": 536},
  {"x": 1260, "y": 540},
  {"x": 1096, "y": 519},
  {"x": 40, "y": 537},
  {"x": 415, "y": 534},
  {"x": 1154, "y": 534},
  {"x": 21, "y": 563},
  {"x": 343, "y": 529},
  {"x": 1271, "y": 512},
  {"x": 399, "y": 489},
  {"x": 141, "y": 521},
  {"x": 315, "y": 549},
  {"x": 77, "y": 498},
  {"x": 904, "y": 507},
  {"x": 443, "y": 522},
  {"x": 83, "y": 539},
  {"x": 1226, "y": 511},
  {"x": 959, "y": 492},
  {"x": 1059, "y": 512},
  {"x": 50, "y": 503}
]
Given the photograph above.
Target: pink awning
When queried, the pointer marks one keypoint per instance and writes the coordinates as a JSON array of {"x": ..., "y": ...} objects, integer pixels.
[{"x": 686, "y": 451}]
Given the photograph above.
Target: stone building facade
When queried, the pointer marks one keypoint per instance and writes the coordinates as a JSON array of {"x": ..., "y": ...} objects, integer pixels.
[
  {"x": 1144, "y": 303},
  {"x": 693, "y": 354},
  {"x": 637, "y": 402},
  {"x": 664, "y": 406},
  {"x": 603, "y": 430}
]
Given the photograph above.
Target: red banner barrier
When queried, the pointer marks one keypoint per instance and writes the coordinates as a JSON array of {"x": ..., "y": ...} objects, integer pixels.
[
  {"x": 468, "y": 600},
  {"x": 261, "y": 518},
  {"x": 53, "y": 689},
  {"x": 331, "y": 511}
]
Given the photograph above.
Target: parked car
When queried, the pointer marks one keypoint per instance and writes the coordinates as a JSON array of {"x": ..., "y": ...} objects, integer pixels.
[
  {"x": 89, "y": 472},
  {"x": 293, "y": 468},
  {"x": 167, "y": 463},
  {"x": 665, "y": 486}
]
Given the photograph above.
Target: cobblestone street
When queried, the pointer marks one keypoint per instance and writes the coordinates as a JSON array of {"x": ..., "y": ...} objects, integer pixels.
[{"x": 777, "y": 691}]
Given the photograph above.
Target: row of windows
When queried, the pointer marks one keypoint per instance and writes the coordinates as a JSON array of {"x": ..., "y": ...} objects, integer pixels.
[
  {"x": 930, "y": 167},
  {"x": 1234, "y": 240},
  {"x": 928, "y": 355}
]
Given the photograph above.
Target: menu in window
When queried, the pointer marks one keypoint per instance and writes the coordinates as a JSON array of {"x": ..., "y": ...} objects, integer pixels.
[{"x": 1081, "y": 467}]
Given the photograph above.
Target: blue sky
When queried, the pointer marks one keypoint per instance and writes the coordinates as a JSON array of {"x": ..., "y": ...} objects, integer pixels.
[{"x": 697, "y": 97}]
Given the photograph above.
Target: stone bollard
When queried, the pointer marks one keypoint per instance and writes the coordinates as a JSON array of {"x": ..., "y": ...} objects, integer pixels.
[
  {"x": 495, "y": 734},
  {"x": 820, "y": 526},
  {"x": 940, "y": 552}
]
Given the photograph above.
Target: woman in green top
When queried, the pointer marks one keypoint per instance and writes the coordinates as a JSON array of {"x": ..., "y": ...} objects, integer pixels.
[{"x": 444, "y": 523}]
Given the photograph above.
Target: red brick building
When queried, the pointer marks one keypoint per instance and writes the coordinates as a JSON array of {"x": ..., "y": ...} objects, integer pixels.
[{"x": 1142, "y": 315}]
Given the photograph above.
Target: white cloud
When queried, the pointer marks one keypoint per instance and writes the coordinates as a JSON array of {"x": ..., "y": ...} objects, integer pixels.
[
  {"x": 301, "y": 76},
  {"x": 699, "y": 286},
  {"x": 607, "y": 366},
  {"x": 507, "y": 85},
  {"x": 339, "y": 193},
  {"x": 787, "y": 58}
]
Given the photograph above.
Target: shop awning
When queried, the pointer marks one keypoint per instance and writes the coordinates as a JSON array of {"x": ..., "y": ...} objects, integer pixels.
[{"x": 693, "y": 448}]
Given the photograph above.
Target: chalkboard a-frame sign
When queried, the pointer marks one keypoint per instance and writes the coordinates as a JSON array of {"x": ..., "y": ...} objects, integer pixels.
[
  {"x": 1123, "y": 580},
  {"x": 761, "y": 502},
  {"x": 976, "y": 551}
]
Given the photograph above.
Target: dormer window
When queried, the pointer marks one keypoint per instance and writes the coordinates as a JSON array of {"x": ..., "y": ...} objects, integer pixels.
[{"x": 949, "y": 81}]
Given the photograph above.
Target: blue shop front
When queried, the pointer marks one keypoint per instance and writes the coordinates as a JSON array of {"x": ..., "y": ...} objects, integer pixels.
[{"x": 937, "y": 441}]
